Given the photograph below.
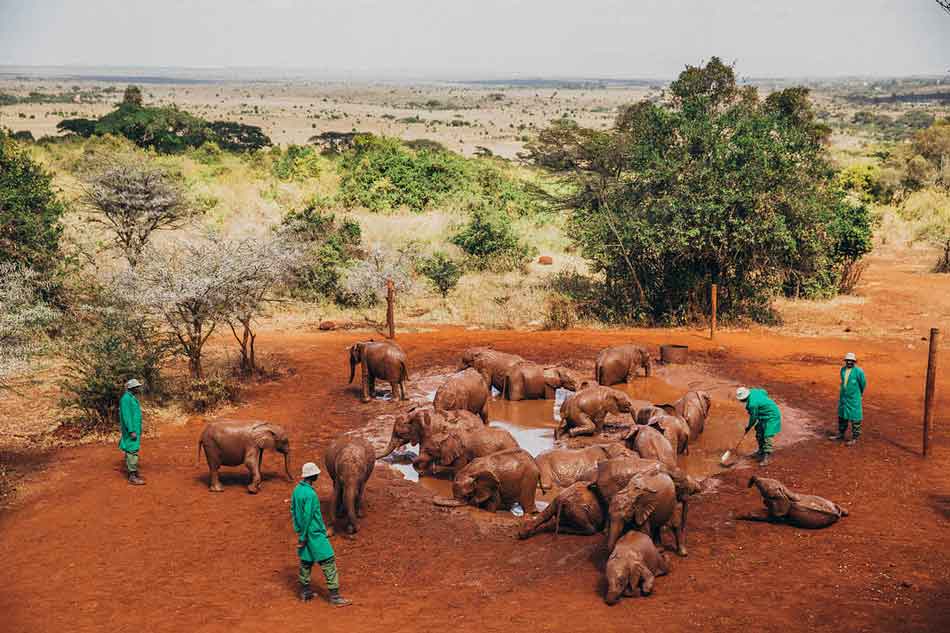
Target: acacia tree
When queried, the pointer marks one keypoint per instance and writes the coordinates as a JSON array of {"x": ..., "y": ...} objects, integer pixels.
[
  {"x": 22, "y": 319},
  {"x": 133, "y": 199}
]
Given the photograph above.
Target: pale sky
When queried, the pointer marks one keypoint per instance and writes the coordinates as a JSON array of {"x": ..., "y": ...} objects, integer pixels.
[{"x": 484, "y": 38}]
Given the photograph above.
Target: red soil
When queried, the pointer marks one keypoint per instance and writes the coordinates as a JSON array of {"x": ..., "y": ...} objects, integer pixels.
[{"x": 83, "y": 551}]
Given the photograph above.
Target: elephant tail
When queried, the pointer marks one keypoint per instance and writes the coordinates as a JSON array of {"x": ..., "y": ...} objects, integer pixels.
[
  {"x": 403, "y": 372},
  {"x": 201, "y": 445},
  {"x": 506, "y": 388},
  {"x": 557, "y": 519}
]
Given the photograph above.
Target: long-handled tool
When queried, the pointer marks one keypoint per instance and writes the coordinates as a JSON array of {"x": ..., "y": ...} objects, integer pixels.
[{"x": 727, "y": 456}]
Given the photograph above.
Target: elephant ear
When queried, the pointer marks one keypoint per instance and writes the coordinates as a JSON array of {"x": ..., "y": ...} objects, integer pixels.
[
  {"x": 263, "y": 435},
  {"x": 450, "y": 449},
  {"x": 778, "y": 504},
  {"x": 669, "y": 408},
  {"x": 486, "y": 485},
  {"x": 643, "y": 510}
]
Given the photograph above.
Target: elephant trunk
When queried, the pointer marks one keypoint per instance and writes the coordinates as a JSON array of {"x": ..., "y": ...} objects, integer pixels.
[
  {"x": 394, "y": 443},
  {"x": 614, "y": 526},
  {"x": 287, "y": 466},
  {"x": 447, "y": 503}
]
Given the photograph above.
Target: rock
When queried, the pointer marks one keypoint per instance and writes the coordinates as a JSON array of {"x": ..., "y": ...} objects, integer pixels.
[
  {"x": 545, "y": 260},
  {"x": 327, "y": 325}
]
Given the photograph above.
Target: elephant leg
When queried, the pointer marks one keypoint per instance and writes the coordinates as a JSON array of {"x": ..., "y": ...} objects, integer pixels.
[
  {"x": 402, "y": 390},
  {"x": 253, "y": 463},
  {"x": 371, "y": 386},
  {"x": 646, "y": 582},
  {"x": 526, "y": 498},
  {"x": 679, "y": 533},
  {"x": 361, "y": 501},
  {"x": 214, "y": 466},
  {"x": 585, "y": 426},
  {"x": 544, "y": 521},
  {"x": 394, "y": 388},
  {"x": 365, "y": 385}
]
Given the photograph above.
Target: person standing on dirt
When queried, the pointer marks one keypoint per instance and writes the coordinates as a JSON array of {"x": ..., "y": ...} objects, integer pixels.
[
  {"x": 313, "y": 544},
  {"x": 765, "y": 416},
  {"x": 130, "y": 423},
  {"x": 851, "y": 391}
]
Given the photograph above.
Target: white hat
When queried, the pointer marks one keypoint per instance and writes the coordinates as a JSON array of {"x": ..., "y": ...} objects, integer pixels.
[
  {"x": 742, "y": 393},
  {"x": 850, "y": 356},
  {"x": 309, "y": 470},
  {"x": 132, "y": 384}
]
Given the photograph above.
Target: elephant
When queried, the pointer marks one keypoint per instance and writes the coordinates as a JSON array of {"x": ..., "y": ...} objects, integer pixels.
[
  {"x": 647, "y": 503},
  {"x": 649, "y": 443},
  {"x": 420, "y": 423},
  {"x": 694, "y": 408},
  {"x": 584, "y": 412},
  {"x": 674, "y": 429},
  {"x": 575, "y": 510},
  {"x": 464, "y": 390},
  {"x": 619, "y": 364},
  {"x": 804, "y": 511},
  {"x": 382, "y": 360},
  {"x": 453, "y": 449},
  {"x": 237, "y": 442},
  {"x": 646, "y": 414},
  {"x": 349, "y": 462},
  {"x": 530, "y": 381},
  {"x": 632, "y": 566},
  {"x": 561, "y": 467},
  {"x": 498, "y": 481},
  {"x": 491, "y": 364}
]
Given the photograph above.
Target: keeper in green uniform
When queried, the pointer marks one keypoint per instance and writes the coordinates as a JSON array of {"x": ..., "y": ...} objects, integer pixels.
[
  {"x": 850, "y": 410},
  {"x": 130, "y": 423},
  {"x": 764, "y": 415},
  {"x": 313, "y": 546}
]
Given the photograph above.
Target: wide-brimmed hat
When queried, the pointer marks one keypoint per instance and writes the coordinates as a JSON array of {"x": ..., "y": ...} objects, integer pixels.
[
  {"x": 309, "y": 470},
  {"x": 742, "y": 393},
  {"x": 132, "y": 384},
  {"x": 850, "y": 356}
]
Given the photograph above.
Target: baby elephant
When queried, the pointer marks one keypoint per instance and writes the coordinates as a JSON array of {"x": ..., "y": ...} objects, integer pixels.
[
  {"x": 498, "y": 481},
  {"x": 379, "y": 360},
  {"x": 805, "y": 511},
  {"x": 242, "y": 442},
  {"x": 350, "y": 462},
  {"x": 632, "y": 566},
  {"x": 575, "y": 510},
  {"x": 584, "y": 412}
]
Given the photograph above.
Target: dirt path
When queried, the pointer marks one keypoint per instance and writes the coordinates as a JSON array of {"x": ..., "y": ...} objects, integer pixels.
[{"x": 85, "y": 552}]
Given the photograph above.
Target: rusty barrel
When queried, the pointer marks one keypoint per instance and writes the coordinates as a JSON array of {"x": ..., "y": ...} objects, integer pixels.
[{"x": 677, "y": 354}]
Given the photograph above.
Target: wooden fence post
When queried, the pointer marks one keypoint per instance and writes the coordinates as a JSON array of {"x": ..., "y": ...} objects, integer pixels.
[
  {"x": 929, "y": 395},
  {"x": 390, "y": 308},
  {"x": 715, "y": 308}
]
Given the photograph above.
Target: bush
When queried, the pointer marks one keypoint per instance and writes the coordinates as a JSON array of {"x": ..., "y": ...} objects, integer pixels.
[
  {"x": 491, "y": 243},
  {"x": 80, "y": 127},
  {"x": 206, "y": 394},
  {"x": 117, "y": 345},
  {"x": 365, "y": 282},
  {"x": 297, "y": 162},
  {"x": 238, "y": 137},
  {"x": 166, "y": 129},
  {"x": 560, "y": 313},
  {"x": 329, "y": 245},
  {"x": 23, "y": 319},
  {"x": 24, "y": 136},
  {"x": 442, "y": 271}
]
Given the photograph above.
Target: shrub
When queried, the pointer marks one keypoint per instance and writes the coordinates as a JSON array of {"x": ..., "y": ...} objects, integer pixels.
[
  {"x": 166, "y": 129},
  {"x": 441, "y": 271},
  {"x": 560, "y": 313},
  {"x": 365, "y": 282},
  {"x": 328, "y": 246},
  {"x": 238, "y": 137},
  {"x": 24, "y": 136},
  {"x": 80, "y": 127},
  {"x": 205, "y": 394},
  {"x": 297, "y": 162},
  {"x": 491, "y": 243},
  {"x": 23, "y": 319}
]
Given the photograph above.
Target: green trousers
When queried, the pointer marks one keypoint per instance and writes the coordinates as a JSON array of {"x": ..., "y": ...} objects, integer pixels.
[
  {"x": 132, "y": 461},
  {"x": 765, "y": 443},
  {"x": 329, "y": 572},
  {"x": 855, "y": 428}
]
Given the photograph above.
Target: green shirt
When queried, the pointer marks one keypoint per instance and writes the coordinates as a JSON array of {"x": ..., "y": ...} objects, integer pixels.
[
  {"x": 764, "y": 412},
  {"x": 308, "y": 522},
  {"x": 849, "y": 398},
  {"x": 130, "y": 421}
]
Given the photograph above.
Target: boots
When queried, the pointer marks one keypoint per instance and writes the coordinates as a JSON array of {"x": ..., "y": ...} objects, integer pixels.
[
  {"x": 851, "y": 442},
  {"x": 336, "y": 599},
  {"x": 765, "y": 459},
  {"x": 306, "y": 593},
  {"x": 836, "y": 437},
  {"x": 135, "y": 480}
]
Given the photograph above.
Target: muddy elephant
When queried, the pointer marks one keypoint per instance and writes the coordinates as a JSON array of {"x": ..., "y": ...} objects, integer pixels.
[
  {"x": 647, "y": 503},
  {"x": 491, "y": 364},
  {"x": 619, "y": 364},
  {"x": 632, "y": 566},
  {"x": 561, "y": 467},
  {"x": 575, "y": 510},
  {"x": 498, "y": 481},
  {"x": 465, "y": 390},
  {"x": 530, "y": 381},
  {"x": 349, "y": 462},
  {"x": 242, "y": 442},
  {"x": 694, "y": 408},
  {"x": 646, "y": 414},
  {"x": 453, "y": 449},
  {"x": 584, "y": 412},
  {"x": 379, "y": 360},
  {"x": 674, "y": 429},
  {"x": 805, "y": 511},
  {"x": 421, "y": 423},
  {"x": 649, "y": 443}
]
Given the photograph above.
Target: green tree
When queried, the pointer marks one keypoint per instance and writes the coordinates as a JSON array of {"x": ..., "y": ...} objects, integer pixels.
[
  {"x": 132, "y": 95},
  {"x": 442, "y": 272},
  {"x": 328, "y": 245},
  {"x": 490, "y": 242}
]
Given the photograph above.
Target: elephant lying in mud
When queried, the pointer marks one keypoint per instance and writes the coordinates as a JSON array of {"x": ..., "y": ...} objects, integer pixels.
[
  {"x": 466, "y": 390},
  {"x": 575, "y": 510},
  {"x": 649, "y": 443},
  {"x": 619, "y": 364},
  {"x": 421, "y": 423},
  {"x": 561, "y": 467},
  {"x": 632, "y": 566},
  {"x": 379, "y": 360},
  {"x": 805, "y": 511},
  {"x": 498, "y": 481},
  {"x": 453, "y": 449},
  {"x": 242, "y": 442},
  {"x": 584, "y": 412},
  {"x": 530, "y": 381},
  {"x": 349, "y": 462},
  {"x": 491, "y": 364},
  {"x": 694, "y": 409}
]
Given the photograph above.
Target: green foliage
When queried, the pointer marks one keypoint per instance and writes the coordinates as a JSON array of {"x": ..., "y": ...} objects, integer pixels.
[
  {"x": 297, "y": 162},
  {"x": 560, "y": 313},
  {"x": 329, "y": 246},
  {"x": 491, "y": 243},
  {"x": 442, "y": 272},
  {"x": 80, "y": 127},
  {"x": 205, "y": 394},
  {"x": 238, "y": 137},
  {"x": 863, "y": 183},
  {"x": 30, "y": 216},
  {"x": 116, "y": 344},
  {"x": 718, "y": 186},
  {"x": 132, "y": 95},
  {"x": 23, "y": 135}
]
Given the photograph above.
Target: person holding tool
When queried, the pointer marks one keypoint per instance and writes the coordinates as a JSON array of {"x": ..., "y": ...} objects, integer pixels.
[{"x": 765, "y": 416}]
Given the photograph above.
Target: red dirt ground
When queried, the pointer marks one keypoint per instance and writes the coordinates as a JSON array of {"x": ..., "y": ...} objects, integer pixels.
[{"x": 83, "y": 551}]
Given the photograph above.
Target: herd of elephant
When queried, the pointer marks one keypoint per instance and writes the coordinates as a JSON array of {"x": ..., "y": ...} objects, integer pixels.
[{"x": 630, "y": 488}]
